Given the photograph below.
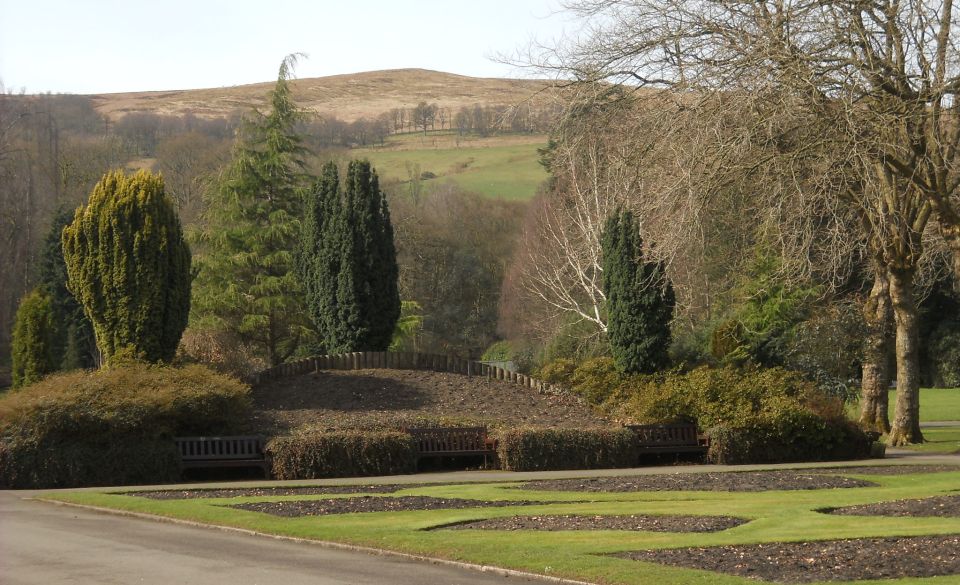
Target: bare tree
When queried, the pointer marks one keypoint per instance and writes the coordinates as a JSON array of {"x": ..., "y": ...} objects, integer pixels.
[{"x": 882, "y": 76}]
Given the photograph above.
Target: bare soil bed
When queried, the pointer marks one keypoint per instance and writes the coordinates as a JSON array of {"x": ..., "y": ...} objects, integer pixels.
[
  {"x": 261, "y": 492},
  {"x": 663, "y": 523},
  {"x": 940, "y": 506},
  {"x": 744, "y": 481},
  {"x": 376, "y": 504},
  {"x": 829, "y": 560},
  {"x": 385, "y": 399}
]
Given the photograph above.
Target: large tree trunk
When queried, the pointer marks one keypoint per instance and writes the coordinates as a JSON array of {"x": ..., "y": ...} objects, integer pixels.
[
  {"x": 906, "y": 417},
  {"x": 878, "y": 314}
]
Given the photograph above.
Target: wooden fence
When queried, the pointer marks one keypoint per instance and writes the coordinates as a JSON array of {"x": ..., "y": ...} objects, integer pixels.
[{"x": 402, "y": 360}]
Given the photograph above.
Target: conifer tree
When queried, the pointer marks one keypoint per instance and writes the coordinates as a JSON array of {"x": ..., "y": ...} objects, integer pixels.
[
  {"x": 640, "y": 299},
  {"x": 247, "y": 282},
  {"x": 349, "y": 261},
  {"x": 34, "y": 337},
  {"x": 75, "y": 346},
  {"x": 129, "y": 267}
]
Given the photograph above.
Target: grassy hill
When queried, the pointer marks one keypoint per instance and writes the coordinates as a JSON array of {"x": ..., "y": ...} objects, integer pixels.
[
  {"x": 348, "y": 97},
  {"x": 504, "y": 166}
]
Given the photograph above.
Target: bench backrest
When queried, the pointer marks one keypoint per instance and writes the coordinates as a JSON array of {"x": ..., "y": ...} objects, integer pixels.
[
  {"x": 449, "y": 439},
  {"x": 204, "y": 448},
  {"x": 666, "y": 435}
]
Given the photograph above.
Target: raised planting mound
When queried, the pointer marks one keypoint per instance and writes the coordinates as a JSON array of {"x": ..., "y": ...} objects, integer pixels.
[
  {"x": 376, "y": 504},
  {"x": 938, "y": 506},
  {"x": 889, "y": 469},
  {"x": 660, "y": 523},
  {"x": 371, "y": 399},
  {"x": 276, "y": 491},
  {"x": 827, "y": 560},
  {"x": 743, "y": 481}
]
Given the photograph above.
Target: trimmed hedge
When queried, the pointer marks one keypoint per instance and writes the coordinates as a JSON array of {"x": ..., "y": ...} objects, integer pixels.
[
  {"x": 312, "y": 455},
  {"x": 113, "y": 426},
  {"x": 547, "y": 449}
]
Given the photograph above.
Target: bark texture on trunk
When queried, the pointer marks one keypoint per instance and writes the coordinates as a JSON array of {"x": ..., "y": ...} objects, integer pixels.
[
  {"x": 878, "y": 314},
  {"x": 906, "y": 417}
]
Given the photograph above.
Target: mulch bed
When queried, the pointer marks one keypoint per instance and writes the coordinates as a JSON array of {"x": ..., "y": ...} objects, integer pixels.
[
  {"x": 391, "y": 398},
  {"x": 830, "y": 560},
  {"x": 942, "y": 506},
  {"x": 376, "y": 504},
  {"x": 888, "y": 469},
  {"x": 746, "y": 481},
  {"x": 261, "y": 492},
  {"x": 663, "y": 523}
]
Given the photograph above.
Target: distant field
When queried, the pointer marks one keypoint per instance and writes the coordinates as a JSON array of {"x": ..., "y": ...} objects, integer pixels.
[
  {"x": 502, "y": 167},
  {"x": 936, "y": 404}
]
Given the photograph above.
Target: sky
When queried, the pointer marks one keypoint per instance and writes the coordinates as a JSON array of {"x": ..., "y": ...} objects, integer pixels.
[{"x": 102, "y": 46}]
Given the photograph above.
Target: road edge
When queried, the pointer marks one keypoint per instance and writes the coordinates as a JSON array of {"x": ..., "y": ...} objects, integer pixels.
[{"x": 323, "y": 543}]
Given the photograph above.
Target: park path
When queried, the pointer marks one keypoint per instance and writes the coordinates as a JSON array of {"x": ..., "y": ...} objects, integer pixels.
[{"x": 42, "y": 543}]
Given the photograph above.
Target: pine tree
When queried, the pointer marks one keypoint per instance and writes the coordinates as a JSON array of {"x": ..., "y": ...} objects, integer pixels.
[
  {"x": 34, "y": 339},
  {"x": 349, "y": 261},
  {"x": 129, "y": 267},
  {"x": 247, "y": 283},
  {"x": 75, "y": 347},
  {"x": 640, "y": 299}
]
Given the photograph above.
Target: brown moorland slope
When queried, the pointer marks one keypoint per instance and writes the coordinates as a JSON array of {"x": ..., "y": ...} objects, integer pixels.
[
  {"x": 393, "y": 398},
  {"x": 348, "y": 97}
]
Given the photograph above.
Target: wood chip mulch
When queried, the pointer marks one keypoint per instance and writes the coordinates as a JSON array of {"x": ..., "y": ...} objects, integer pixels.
[
  {"x": 830, "y": 560},
  {"x": 938, "y": 506},
  {"x": 376, "y": 504},
  {"x": 660, "y": 523},
  {"x": 263, "y": 492},
  {"x": 744, "y": 481}
]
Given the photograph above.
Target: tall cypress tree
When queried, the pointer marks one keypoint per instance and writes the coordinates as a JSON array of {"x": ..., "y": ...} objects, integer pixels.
[
  {"x": 75, "y": 346},
  {"x": 640, "y": 299},
  {"x": 129, "y": 267},
  {"x": 350, "y": 262},
  {"x": 247, "y": 283}
]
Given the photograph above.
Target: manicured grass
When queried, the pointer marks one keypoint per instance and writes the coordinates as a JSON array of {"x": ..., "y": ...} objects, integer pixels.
[
  {"x": 776, "y": 516},
  {"x": 508, "y": 171},
  {"x": 936, "y": 404},
  {"x": 939, "y": 440}
]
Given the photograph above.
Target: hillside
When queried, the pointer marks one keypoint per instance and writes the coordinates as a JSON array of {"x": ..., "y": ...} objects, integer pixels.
[{"x": 348, "y": 97}]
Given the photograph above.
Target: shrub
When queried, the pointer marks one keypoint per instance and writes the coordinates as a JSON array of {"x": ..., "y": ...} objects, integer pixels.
[
  {"x": 113, "y": 426},
  {"x": 945, "y": 349},
  {"x": 559, "y": 371},
  {"x": 34, "y": 339},
  {"x": 751, "y": 416},
  {"x": 499, "y": 351},
  {"x": 545, "y": 449},
  {"x": 311, "y": 455},
  {"x": 595, "y": 380}
]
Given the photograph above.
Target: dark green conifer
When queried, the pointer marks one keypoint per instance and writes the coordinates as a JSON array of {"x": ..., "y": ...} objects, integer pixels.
[
  {"x": 34, "y": 337},
  {"x": 640, "y": 299}
]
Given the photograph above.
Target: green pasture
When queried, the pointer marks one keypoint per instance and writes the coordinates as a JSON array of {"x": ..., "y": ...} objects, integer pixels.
[
  {"x": 775, "y": 516},
  {"x": 509, "y": 171},
  {"x": 936, "y": 404}
]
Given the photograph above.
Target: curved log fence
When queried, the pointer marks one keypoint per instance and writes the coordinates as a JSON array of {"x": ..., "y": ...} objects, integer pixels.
[{"x": 403, "y": 360}]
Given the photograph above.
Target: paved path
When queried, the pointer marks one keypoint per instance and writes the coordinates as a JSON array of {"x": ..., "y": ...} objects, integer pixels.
[{"x": 42, "y": 543}]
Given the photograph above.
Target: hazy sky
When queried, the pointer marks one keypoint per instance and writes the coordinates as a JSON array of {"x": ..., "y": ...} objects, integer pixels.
[{"x": 98, "y": 46}]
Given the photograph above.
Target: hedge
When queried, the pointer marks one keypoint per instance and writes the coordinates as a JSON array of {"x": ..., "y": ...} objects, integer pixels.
[
  {"x": 534, "y": 449},
  {"x": 113, "y": 426},
  {"x": 312, "y": 455}
]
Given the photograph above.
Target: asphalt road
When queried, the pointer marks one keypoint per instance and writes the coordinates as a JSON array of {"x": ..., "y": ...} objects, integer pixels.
[{"x": 42, "y": 543}]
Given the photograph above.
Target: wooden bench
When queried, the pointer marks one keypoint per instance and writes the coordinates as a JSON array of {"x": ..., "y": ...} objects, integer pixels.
[
  {"x": 681, "y": 438},
  {"x": 453, "y": 441},
  {"x": 235, "y": 451}
]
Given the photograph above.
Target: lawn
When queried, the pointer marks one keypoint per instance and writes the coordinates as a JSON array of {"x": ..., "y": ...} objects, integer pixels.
[
  {"x": 774, "y": 516},
  {"x": 936, "y": 404},
  {"x": 493, "y": 169}
]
